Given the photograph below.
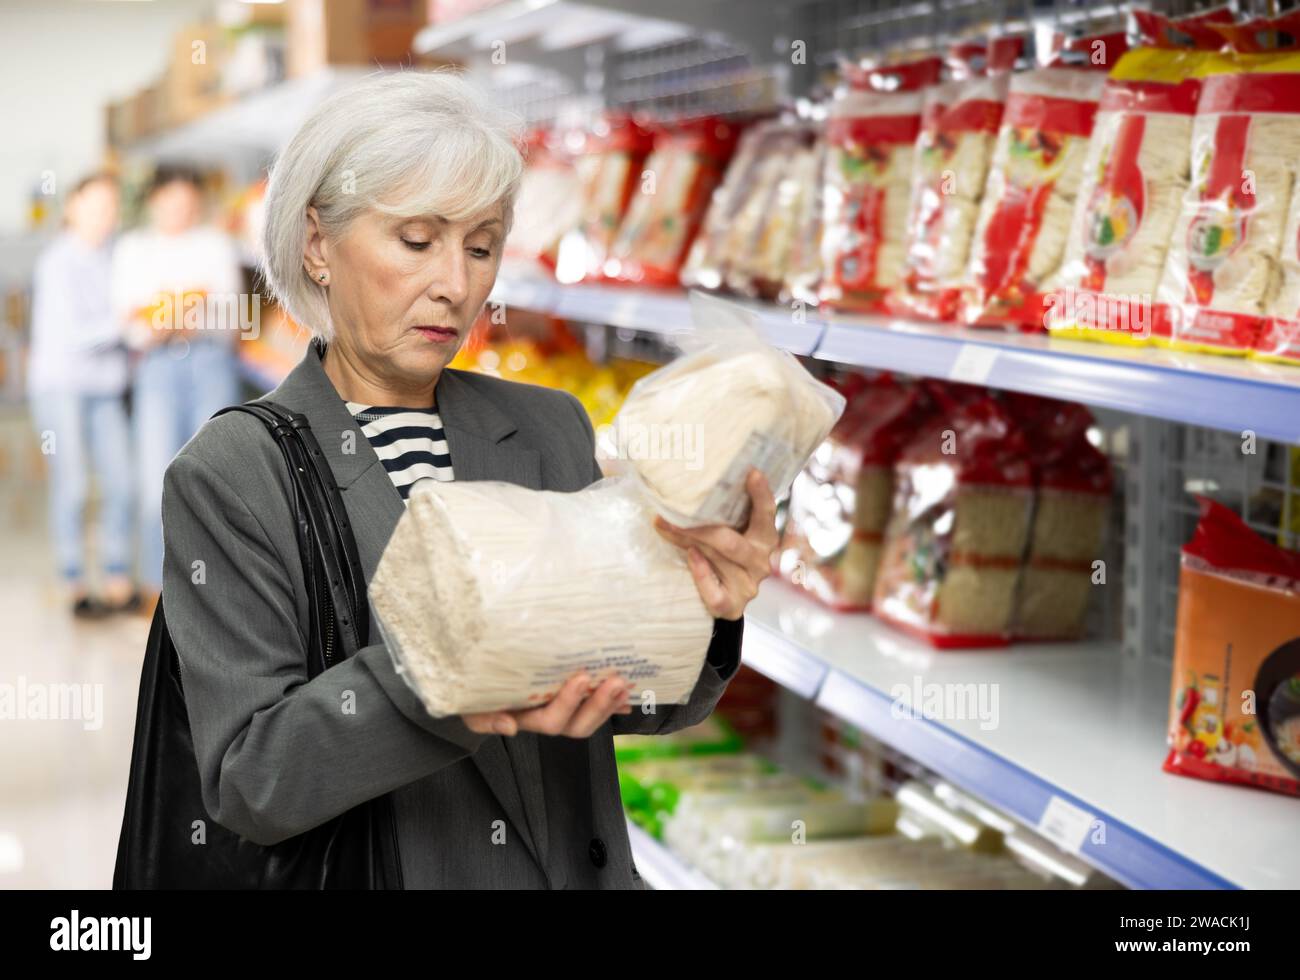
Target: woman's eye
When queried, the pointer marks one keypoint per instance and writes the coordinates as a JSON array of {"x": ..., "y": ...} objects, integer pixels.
[
  {"x": 481, "y": 253},
  {"x": 415, "y": 246}
]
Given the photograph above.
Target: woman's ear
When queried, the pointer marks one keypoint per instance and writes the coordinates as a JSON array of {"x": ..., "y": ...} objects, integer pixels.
[{"x": 314, "y": 254}]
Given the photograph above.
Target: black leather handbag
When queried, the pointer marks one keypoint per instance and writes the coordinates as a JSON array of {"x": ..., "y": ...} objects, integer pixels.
[{"x": 161, "y": 845}]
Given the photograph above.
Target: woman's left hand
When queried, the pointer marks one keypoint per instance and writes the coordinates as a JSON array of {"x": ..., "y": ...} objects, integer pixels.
[{"x": 728, "y": 565}]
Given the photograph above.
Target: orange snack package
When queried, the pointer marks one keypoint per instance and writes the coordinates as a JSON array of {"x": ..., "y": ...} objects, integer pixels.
[{"x": 1234, "y": 713}]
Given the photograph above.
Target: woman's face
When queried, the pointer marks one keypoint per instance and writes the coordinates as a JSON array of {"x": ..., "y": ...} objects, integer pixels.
[{"x": 403, "y": 292}]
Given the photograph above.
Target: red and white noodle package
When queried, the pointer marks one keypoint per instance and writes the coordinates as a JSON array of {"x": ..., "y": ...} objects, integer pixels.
[{"x": 867, "y": 182}]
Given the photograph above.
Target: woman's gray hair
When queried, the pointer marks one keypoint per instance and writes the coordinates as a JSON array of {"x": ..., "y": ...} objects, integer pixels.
[{"x": 429, "y": 136}]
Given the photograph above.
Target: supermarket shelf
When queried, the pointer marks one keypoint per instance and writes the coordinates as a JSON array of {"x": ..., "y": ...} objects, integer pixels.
[
  {"x": 1217, "y": 392},
  {"x": 665, "y": 311},
  {"x": 661, "y": 869},
  {"x": 259, "y": 123},
  {"x": 1074, "y": 752}
]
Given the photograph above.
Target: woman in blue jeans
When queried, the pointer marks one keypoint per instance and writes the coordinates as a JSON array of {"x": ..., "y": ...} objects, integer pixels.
[
  {"x": 166, "y": 278},
  {"x": 77, "y": 379}
]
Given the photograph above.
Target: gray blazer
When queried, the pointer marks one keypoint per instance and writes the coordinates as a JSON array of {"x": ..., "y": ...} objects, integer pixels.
[{"x": 279, "y": 754}]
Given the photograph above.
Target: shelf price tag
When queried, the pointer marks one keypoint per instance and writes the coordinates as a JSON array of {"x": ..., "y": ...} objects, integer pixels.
[
  {"x": 1065, "y": 825},
  {"x": 973, "y": 364}
]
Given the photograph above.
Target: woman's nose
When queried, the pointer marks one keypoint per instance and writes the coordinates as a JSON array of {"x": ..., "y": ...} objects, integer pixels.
[{"x": 451, "y": 279}]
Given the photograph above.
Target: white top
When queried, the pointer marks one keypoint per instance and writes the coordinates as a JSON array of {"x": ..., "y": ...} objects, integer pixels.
[{"x": 147, "y": 264}]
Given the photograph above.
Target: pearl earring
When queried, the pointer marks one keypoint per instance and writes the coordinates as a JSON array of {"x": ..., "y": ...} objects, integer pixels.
[{"x": 323, "y": 276}]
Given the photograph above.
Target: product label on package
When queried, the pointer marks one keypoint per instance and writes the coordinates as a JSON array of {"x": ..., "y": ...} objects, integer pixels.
[{"x": 728, "y": 501}]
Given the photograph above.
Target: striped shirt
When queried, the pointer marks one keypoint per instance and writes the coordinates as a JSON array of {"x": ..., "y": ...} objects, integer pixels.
[{"x": 408, "y": 441}]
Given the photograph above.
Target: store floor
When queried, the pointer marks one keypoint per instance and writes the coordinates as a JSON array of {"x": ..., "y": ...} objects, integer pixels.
[{"x": 62, "y": 779}]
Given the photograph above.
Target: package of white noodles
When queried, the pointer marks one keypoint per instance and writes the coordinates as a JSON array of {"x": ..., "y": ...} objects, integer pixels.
[
  {"x": 1134, "y": 179},
  {"x": 1221, "y": 272},
  {"x": 959, "y": 128},
  {"x": 691, "y": 431},
  {"x": 490, "y": 596}
]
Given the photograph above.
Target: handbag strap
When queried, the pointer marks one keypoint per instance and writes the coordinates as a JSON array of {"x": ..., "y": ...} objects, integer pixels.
[{"x": 321, "y": 511}]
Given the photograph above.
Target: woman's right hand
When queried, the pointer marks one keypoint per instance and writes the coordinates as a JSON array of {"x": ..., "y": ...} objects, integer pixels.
[{"x": 576, "y": 711}]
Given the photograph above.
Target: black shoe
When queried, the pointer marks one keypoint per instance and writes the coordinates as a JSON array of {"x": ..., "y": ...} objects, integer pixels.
[
  {"x": 130, "y": 604},
  {"x": 89, "y": 608}
]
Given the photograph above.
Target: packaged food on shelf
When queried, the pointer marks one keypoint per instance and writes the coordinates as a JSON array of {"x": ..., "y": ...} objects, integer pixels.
[
  {"x": 961, "y": 518},
  {"x": 1201, "y": 31},
  {"x": 882, "y": 863},
  {"x": 1072, "y": 505},
  {"x": 692, "y": 430},
  {"x": 491, "y": 595},
  {"x": 705, "y": 262},
  {"x": 1222, "y": 269},
  {"x": 706, "y": 829},
  {"x": 653, "y": 788},
  {"x": 768, "y": 224},
  {"x": 959, "y": 127},
  {"x": 550, "y": 199},
  {"x": 713, "y": 736},
  {"x": 801, "y": 282},
  {"x": 840, "y": 502},
  {"x": 871, "y": 131},
  {"x": 1235, "y": 706},
  {"x": 1037, "y": 169},
  {"x": 1135, "y": 175},
  {"x": 610, "y": 161},
  {"x": 669, "y": 201}
]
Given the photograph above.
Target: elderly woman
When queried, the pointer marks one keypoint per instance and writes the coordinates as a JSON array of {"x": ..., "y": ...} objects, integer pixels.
[{"x": 386, "y": 216}]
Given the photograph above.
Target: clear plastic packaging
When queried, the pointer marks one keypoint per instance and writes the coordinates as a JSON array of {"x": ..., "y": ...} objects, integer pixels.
[
  {"x": 871, "y": 133},
  {"x": 490, "y": 596},
  {"x": 1072, "y": 507},
  {"x": 1135, "y": 176},
  {"x": 691, "y": 431},
  {"x": 840, "y": 502},
  {"x": 1221, "y": 272},
  {"x": 953, "y": 151},
  {"x": 668, "y": 207},
  {"x": 1037, "y": 167},
  {"x": 961, "y": 516}
]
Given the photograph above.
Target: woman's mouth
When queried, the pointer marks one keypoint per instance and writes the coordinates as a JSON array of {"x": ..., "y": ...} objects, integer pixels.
[{"x": 437, "y": 335}]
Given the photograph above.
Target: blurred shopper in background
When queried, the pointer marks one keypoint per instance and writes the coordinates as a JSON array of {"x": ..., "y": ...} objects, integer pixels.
[
  {"x": 162, "y": 274},
  {"x": 77, "y": 380}
]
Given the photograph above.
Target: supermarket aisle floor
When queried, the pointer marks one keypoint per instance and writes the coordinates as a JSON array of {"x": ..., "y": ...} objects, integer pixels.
[{"x": 62, "y": 780}]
